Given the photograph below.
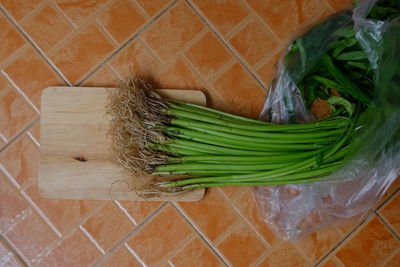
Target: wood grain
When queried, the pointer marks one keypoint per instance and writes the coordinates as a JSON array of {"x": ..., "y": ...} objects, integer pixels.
[{"x": 75, "y": 161}]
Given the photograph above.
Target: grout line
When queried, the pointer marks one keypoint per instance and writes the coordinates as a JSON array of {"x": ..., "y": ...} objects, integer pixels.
[
  {"x": 90, "y": 237},
  {"x": 61, "y": 12},
  {"x": 201, "y": 234},
  {"x": 12, "y": 180},
  {"x": 239, "y": 27},
  {"x": 388, "y": 198},
  {"x": 105, "y": 32},
  {"x": 2, "y": 137},
  {"x": 139, "y": 8},
  {"x": 392, "y": 255},
  {"x": 125, "y": 212},
  {"x": 258, "y": 18},
  {"x": 344, "y": 239},
  {"x": 130, "y": 234},
  {"x": 143, "y": 28},
  {"x": 170, "y": 263},
  {"x": 388, "y": 226},
  {"x": 135, "y": 255},
  {"x": 33, "y": 139},
  {"x": 14, "y": 251},
  {"x": 17, "y": 136},
  {"x": 41, "y": 214},
  {"x": 39, "y": 7},
  {"x": 179, "y": 247},
  {"x": 228, "y": 46},
  {"x": 337, "y": 261},
  {"x": 231, "y": 203},
  {"x": 36, "y": 47},
  {"x": 20, "y": 91}
]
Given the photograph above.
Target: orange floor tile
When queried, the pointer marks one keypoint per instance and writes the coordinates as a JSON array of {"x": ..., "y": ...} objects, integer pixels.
[{"x": 227, "y": 49}]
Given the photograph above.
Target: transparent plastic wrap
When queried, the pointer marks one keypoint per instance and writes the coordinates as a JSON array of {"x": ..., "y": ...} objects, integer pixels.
[{"x": 349, "y": 193}]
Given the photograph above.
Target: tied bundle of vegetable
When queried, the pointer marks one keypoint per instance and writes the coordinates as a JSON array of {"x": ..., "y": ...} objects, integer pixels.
[
  {"x": 211, "y": 148},
  {"x": 207, "y": 147}
]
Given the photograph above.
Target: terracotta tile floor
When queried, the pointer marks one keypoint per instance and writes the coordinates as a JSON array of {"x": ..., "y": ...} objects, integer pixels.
[{"x": 227, "y": 49}]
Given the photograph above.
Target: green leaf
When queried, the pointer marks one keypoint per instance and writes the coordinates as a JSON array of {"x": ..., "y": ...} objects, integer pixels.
[
  {"x": 354, "y": 55},
  {"x": 360, "y": 65},
  {"x": 337, "y": 100}
]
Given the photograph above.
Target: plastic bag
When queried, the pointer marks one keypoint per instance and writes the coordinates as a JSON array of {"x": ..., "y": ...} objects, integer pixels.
[{"x": 348, "y": 194}]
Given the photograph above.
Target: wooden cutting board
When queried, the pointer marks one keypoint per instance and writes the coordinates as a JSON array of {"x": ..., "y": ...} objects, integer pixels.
[{"x": 75, "y": 160}]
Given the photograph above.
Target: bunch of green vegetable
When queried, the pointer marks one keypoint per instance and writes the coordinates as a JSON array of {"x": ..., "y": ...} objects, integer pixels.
[{"x": 212, "y": 148}]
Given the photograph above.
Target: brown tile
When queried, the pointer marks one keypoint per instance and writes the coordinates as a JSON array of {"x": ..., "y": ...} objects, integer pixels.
[
  {"x": 32, "y": 75},
  {"x": 121, "y": 20},
  {"x": 143, "y": 63},
  {"x": 75, "y": 250},
  {"x": 139, "y": 210},
  {"x": 247, "y": 205},
  {"x": 196, "y": 252},
  {"x": 253, "y": 42},
  {"x": 121, "y": 258},
  {"x": 35, "y": 131},
  {"x": 339, "y": 4},
  {"x": 241, "y": 247},
  {"x": 47, "y": 21},
  {"x": 233, "y": 191},
  {"x": 223, "y": 14},
  {"x": 12, "y": 205},
  {"x": 172, "y": 31},
  {"x": 10, "y": 39},
  {"x": 2, "y": 143},
  {"x": 15, "y": 112},
  {"x": 32, "y": 237},
  {"x": 178, "y": 76},
  {"x": 208, "y": 55},
  {"x": 268, "y": 70},
  {"x": 21, "y": 8},
  {"x": 213, "y": 214},
  {"x": 285, "y": 255},
  {"x": 64, "y": 214},
  {"x": 346, "y": 228},
  {"x": 103, "y": 77},
  {"x": 21, "y": 159},
  {"x": 160, "y": 236},
  {"x": 391, "y": 213},
  {"x": 7, "y": 257},
  {"x": 394, "y": 261},
  {"x": 271, "y": 12},
  {"x": 312, "y": 11},
  {"x": 241, "y": 92},
  {"x": 317, "y": 245},
  {"x": 103, "y": 228},
  {"x": 368, "y": 247},
  {"x": 83, "y": 52},
  {"x": 389, "y": 192},
  {"x": 154, "y": 6},
  {"x": 329, "y": 263},
  {"x": 79, "y": 10}
]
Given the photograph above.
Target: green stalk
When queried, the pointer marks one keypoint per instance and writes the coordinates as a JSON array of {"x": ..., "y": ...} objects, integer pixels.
[
  {"x": 203, "y": 172},
  {"x": 307, "y": 174},
  {"x": 233, "y": 158},
  {"x": 215, "y": 150},
  {"x": 221, "y": 141},
  {"x": 267, "y": 127},
  {"x": 219, "y": 167},
  {"x": 213, "y": 112},
  {"x": 276, "y": 174},
  {"x": 280, "y": 136},
  {"x": 263, "y": 140}
]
